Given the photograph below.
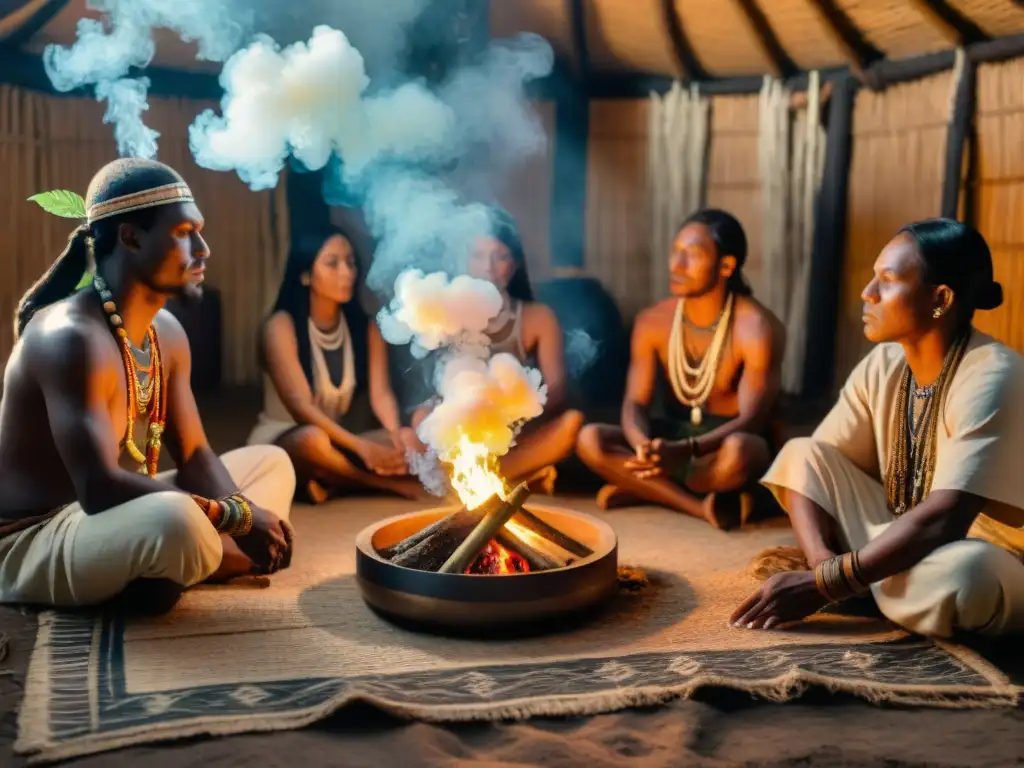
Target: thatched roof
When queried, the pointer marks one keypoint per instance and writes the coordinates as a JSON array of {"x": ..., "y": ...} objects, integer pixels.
[{"x": 690, "y": 39}]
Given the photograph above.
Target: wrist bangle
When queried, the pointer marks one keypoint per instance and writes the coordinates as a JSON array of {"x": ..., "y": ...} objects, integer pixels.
[{"x": 840, "y": 577}]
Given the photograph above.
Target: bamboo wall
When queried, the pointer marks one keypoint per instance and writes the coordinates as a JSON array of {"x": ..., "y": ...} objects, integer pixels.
[
  {"x": 733, "y": 180},
  {"x": 896, "y": 173},
  {"x": 618, "y": 249},
  {"x": 999, "y": 122}
]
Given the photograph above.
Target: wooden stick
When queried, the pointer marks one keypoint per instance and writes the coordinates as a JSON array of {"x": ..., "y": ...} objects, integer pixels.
[
  {"x": 460, "y": 517},
  {"x": 430, "y": 553},
  {"x": 485, "y": 531},
  {"x": 538, "y": 560},
  {"x": 527, "y": 519}
]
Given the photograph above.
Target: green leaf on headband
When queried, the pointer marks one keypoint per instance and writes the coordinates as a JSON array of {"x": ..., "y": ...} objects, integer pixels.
[
  {"x": 61, "y": 202},
  {"x": 86, "y": 280}
]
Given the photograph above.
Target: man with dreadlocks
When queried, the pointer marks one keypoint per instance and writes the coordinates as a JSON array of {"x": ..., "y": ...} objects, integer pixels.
[
  {"x": 97, "y": 383},
  {"x": 720, "y": 351},
  {"x": 912, "y": 486}
]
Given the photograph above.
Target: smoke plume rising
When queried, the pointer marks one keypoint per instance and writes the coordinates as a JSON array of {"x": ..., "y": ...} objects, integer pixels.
[
  {"x": 483, "y": 401},
  {"x": 429, "y": 312}
]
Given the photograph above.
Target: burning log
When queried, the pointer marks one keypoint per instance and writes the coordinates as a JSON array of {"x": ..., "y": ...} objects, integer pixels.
[
  {"x": 462, "y": 519},
  {"x": 485, "y": 531},
  {"x": 537, "y": 560},
  {"x": 527, "y": 519},
  {"x": 430, "y": 548}
]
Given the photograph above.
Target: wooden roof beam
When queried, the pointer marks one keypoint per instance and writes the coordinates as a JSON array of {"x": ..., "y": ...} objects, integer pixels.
[
  {"x": 859, "y": 53},
  {"x": 957, "y": 28},
  {"x": 686, "y": 58},
  {"x": 781, "y": 64}
]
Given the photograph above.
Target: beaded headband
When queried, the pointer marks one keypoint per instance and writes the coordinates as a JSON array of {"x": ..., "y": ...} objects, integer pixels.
[{"x": 177, "y": 192}]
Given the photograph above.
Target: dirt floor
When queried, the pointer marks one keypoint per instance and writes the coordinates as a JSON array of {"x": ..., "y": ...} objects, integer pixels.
[{"x": 716, "y": 729}]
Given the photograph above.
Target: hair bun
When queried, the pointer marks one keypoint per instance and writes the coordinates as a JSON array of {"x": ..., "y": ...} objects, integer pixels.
[{"x": 990, "y": 296}]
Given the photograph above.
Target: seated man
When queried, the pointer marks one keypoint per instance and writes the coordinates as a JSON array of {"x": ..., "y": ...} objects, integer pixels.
[
  {"x": 84, "y": 517},
  {"x": 887, "y": 492},
  {"x": 722, "y": 352}
]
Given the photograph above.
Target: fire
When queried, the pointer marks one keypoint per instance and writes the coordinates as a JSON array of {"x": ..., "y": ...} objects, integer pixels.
[
  {"x": 474, "y": 475},
  {"x": 496, "y": 560}
]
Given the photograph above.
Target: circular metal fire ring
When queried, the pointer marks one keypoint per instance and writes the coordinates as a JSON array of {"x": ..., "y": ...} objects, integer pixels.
[{"x": 519, "y": 603}]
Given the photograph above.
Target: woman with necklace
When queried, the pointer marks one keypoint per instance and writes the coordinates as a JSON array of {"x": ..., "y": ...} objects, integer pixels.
[
  {"x": 912, "y": 486},
  {"x": 530, "y": 332},
  {"x": 320, "y": 354}
]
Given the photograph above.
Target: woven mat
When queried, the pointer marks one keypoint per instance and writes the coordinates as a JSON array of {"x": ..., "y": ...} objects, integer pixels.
[{"x": 246, "y": 658}]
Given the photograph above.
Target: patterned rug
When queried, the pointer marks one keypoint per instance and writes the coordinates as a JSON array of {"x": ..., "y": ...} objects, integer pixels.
[{"x": 247, "y": 658}]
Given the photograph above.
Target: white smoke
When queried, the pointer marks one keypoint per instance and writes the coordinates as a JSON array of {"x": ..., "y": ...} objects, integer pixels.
[
  {"x": 308, "y": 100},
  {"x": 106, "y": 50},
  {"x": 430, "y": 312}
]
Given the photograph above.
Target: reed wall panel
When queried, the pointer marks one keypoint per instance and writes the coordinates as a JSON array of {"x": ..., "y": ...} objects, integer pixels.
[
  {"x": 1000, "y": 192},
  {"x": 734, "y": 176},
  {"x": 896, "y": 174},
  {"x": 618, "y": 241}
]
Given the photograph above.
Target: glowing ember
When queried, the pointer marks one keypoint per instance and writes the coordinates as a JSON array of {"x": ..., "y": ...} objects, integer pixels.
[
  {"x": 474, "y": 475},
  {"x": 496, "y": 560}
]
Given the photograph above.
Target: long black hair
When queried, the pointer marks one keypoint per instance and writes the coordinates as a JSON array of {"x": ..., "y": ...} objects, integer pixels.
[
  {"x": 293, "y": 298},
  {"x": 99, "y": 239},
  {"x": 957, "y": 256},
  {"x": 727, "y": 234},
  {"x": 505, "y": 230}
]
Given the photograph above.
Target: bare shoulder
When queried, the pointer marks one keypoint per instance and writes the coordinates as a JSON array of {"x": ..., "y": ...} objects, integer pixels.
[
  {"x": 540, "y": 316},
  {"x": 279, "y": 327},
  {"x": 66, "y": 339},
  {"x": 655, "y": 321},
  {"x": 756, "y": 326},
  {"x": 170, "y": 330}
]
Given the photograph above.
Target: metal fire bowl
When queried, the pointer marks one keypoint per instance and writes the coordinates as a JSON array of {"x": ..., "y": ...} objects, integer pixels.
[{"x": 454, "y": 603}]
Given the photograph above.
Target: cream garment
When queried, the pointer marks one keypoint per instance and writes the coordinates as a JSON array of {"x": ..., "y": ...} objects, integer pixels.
[
  {"x": 274, "y": 420},
  {"x": 972, "y": 584},
  {"x": 75, "y": 559}
]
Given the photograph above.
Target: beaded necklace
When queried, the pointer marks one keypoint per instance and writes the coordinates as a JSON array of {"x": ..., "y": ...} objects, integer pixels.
[
  {"x": 913, "y": 442},
  {"x": 693, "y": 385},
  {"x": 150, "y": 397}
]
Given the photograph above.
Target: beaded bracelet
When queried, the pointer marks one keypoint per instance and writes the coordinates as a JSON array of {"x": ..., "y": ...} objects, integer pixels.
[
  {"x": 840, "y": 577},
  {"x": 231, "y": 515}
]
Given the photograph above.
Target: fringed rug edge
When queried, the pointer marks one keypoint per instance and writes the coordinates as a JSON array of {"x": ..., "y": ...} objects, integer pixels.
[{"x": 34, "y": 740}]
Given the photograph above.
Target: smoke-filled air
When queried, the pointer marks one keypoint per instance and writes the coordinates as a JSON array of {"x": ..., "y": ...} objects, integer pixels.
[{"x": 306, "y": 93}]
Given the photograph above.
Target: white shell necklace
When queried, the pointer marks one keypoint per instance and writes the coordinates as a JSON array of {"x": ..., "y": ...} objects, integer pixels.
[{"x": 693, "y": 386}]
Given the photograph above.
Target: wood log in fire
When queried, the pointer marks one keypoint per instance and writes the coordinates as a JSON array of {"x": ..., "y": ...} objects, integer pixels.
[
  {"x": 527, "y": 519},
  {"x": 537, "y": 560},
  {"x": 429, "y": 548},
  {"x": 462, "y": 519},
  {"x": 485, "y": 531}
]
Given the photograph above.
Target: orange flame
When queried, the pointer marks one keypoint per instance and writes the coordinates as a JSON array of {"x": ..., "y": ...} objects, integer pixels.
[{"x": 474, "y": 474}]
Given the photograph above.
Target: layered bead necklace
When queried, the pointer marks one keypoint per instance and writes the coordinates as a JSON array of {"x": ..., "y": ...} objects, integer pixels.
[
  {"x": 693, "y": 385},
  {"x": 911, "y": 465},
  {"x": 146, "y": 390}
]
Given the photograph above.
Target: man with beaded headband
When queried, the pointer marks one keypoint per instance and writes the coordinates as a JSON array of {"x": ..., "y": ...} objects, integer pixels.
[
  {"x": 718, "y": 353},
  {"x": 97, "y": 383},
  {"x": 912, "y": 485}
]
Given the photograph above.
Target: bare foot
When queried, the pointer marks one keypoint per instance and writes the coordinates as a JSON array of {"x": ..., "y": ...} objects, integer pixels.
[
  {"x": 233, "y": 564},
  {"x": 726, "y": 511},
  {"x": 316, "y": 492},
  {"x": 613, "y": 497}
]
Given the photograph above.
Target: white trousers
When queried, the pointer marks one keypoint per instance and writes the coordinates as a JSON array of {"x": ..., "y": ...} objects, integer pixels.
[
  {"x": 75, "y": 559},
  {"x": 969, "y": 585}
]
